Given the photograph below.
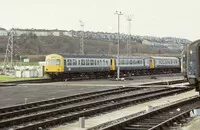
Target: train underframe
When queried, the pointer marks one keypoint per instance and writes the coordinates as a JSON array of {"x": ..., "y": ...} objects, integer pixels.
[{"x": 110, "y": 74}]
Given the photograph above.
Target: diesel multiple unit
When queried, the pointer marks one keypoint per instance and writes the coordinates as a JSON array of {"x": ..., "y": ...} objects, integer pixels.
[
  {"x": 191, "y": 63},
  {"x": 62, "y": 67}
]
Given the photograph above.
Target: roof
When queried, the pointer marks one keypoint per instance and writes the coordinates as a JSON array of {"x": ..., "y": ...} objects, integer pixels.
[
  {"x": 3, "y": 29},
  {"x": 84, "y": 56},
  {"x": 194, "y": 44},
  {"x": 157, "y": 57}
]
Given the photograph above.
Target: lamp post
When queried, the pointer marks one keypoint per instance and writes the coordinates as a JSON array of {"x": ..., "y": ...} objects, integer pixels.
[
  {"x": 129, "y": 19},
  {"x": 118, "y": 68},
  {"x": 82, "y": 38}
]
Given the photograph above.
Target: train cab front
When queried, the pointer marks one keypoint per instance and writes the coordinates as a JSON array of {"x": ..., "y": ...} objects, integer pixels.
[{"x": 54, "y": 65}]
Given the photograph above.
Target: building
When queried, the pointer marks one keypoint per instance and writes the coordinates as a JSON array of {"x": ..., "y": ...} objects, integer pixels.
[{"x": 3, "y": 32}]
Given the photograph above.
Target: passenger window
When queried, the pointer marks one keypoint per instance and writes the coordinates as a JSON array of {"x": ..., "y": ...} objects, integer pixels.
[
  {"x": 97, "y": 62},
  {"x": 91, "y": 62},
  {"x": 48, "y": 62},
  {"x": 57, "y": 61},
  {"x": 69, "y": 62},
  {"x": 100, "y": 62},
  {"x": 65, "y": 62},
  {"x": 87, "y": 62},
  {"x": 74, "y": 62},
  {"x": 82, "y": 62},
  {"x": 106, "y": 62},
  {"x": 79, "y": 62}
]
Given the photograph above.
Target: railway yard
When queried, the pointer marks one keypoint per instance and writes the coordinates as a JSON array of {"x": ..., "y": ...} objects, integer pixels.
[{"x": 137, "y": 103}]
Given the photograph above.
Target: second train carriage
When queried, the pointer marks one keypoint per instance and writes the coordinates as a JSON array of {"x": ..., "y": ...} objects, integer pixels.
[
  {"x": 133, "y": 64},
  {"x": 165, "y": 64},
  {"x": 68, "y": 66}
]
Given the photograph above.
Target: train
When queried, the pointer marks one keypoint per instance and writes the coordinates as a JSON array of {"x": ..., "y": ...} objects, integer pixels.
[
  {"x": 191, "y": 58},
  {"x": 64, "y": 67}
]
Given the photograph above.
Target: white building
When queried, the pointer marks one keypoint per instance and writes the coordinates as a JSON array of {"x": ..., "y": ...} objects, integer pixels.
[{"x": 3, "y": 32}]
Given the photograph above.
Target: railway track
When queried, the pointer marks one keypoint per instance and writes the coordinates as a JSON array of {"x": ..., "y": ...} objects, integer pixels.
[
  {"x": 14, "y": 83},
  {"x": 163, "y": 118},
  {"x": 53, "y": 112}
]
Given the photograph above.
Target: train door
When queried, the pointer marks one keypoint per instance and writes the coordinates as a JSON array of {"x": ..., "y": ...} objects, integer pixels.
[
  {"x": 112, "y": 64},
  {"x": 146, "y": 62},
  {"x": 197, "y": 86},
  {"x": 152, "y": 63}
]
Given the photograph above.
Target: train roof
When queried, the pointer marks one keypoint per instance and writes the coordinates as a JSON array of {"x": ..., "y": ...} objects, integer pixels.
[
  {"x": 127, "y": 57},
  {"x": 158, "y": 57},
  {"x": 194, "y": 44},
  {"x": 84, "y": 56}
]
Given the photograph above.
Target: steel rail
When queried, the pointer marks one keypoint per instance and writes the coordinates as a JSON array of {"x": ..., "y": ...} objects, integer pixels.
[
  {"x": 113, "y": 105},
  {"x": 159, "y": 118}
]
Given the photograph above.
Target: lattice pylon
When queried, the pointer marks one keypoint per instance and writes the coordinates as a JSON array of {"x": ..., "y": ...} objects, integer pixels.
[{"x": 9, "y": 55}]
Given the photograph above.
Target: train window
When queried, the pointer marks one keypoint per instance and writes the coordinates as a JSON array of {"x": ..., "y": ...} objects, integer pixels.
[
  {"x": 57, "y": 61},
  {"x": 130, "y": 62},
  {"x": 126, "y": 61},
  {"x": 111, "y": 61},
  {"x": 74, "y": 62},
  {"x": 121, "y": 62},
  {"x": 83, "y": 62},
  {"x": 106, "y": 62},
  {"x": 87, "y": 62},
  {"x": 48, "y": 62},
  {"x": 97, "y": 62},
  {"x": 100, "y": 62},
  {"x": 91, "y": 62},
  {"x": 69, "y": 61},
  {"x": 65, "y": 63},
  {"x": 79, "y": 62}
]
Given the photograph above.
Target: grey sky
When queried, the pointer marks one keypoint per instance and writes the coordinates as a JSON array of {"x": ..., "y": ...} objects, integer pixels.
[{"x": 162, "y": 18}]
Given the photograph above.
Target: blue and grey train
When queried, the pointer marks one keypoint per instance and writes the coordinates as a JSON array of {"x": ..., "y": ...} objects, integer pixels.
[{"x": 59, "y": 66}]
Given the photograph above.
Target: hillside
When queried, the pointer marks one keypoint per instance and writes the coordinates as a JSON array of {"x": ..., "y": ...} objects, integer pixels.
[{"x": 41, "y": 45}]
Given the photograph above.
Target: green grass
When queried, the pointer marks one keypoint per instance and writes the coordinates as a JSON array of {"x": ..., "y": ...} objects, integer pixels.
[
  {"x": 23, "y": 63},
  {"x": 4, "y": 78}
]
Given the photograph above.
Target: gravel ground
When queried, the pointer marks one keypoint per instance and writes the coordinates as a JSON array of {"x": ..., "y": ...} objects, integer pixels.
[{"x": 13, "y": 95}]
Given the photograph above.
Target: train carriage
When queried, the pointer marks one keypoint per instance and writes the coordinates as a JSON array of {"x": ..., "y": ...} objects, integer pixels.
[
  {"x": 165, "y": 64},
  {"x": 134, "y": 64},
  {"x": 193, "y": 61},
  {"x": 59, "y": 66},
  {"x": 67, "y": 66}
]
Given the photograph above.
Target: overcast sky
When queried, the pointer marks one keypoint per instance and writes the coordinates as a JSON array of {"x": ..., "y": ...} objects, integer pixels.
[{"x": 162, "y": 18}]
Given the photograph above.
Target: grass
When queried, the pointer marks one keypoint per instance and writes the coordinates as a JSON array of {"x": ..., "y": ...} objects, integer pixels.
[
  {"x": 4, "y": 78},
  {"x": 24, "y": 63}
]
